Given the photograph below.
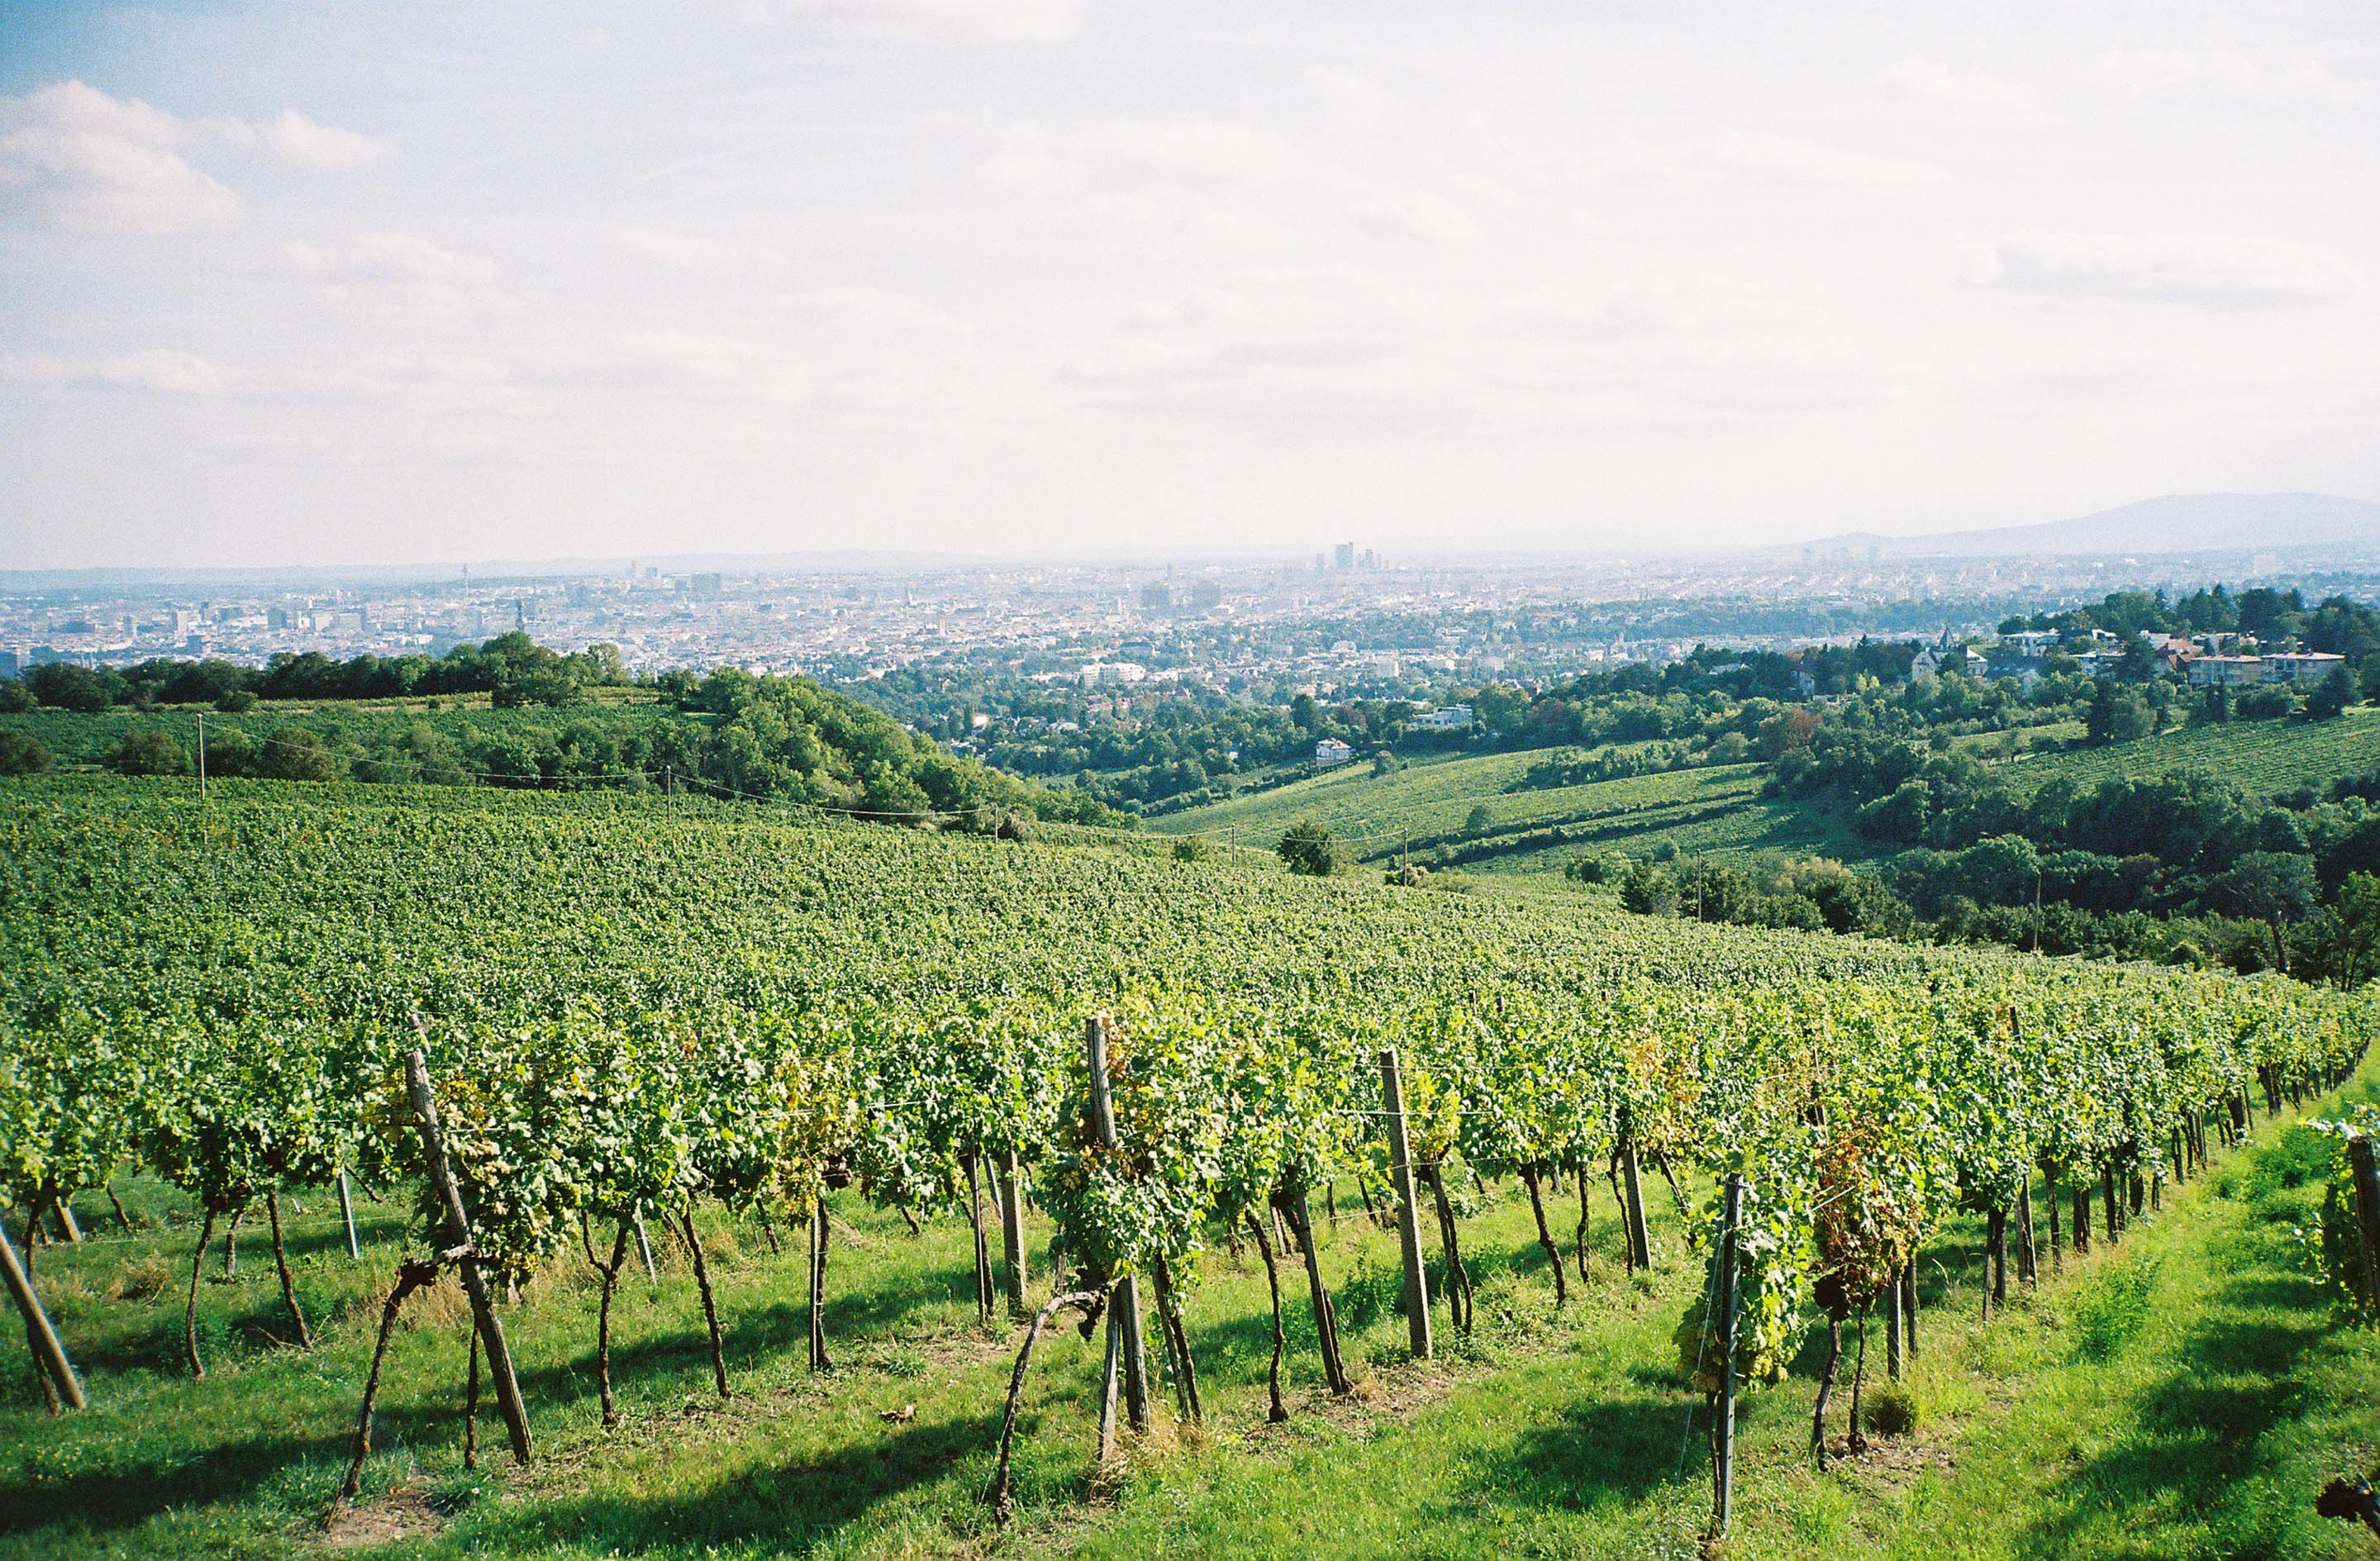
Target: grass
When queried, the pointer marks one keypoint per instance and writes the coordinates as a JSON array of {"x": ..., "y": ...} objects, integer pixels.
[
  {"x": 247, "y": 1460},
  {"x": 1719, "y": 811},
  {"x": 1698, "y": 810},
  {"x": 2261, "y": 757},
  {"x": 2181, "y": 1395}
]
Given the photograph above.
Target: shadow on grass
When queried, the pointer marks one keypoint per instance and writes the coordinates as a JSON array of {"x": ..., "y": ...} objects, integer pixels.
[
  {"x": 1597, "y": 1454},
  {"x": 126, "y": 1496},
  {"x": 793, "y": 1508},
  {"x": 2200, "y": 1444}
]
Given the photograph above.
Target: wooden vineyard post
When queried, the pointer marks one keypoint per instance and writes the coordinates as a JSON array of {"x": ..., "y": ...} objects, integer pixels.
[
  {"x": 348, "y": 1213},
  {"x": 1908, "y": 1308},
  {"x": 458, "y": 1231},
  {"x": 50, "y": 1355},
  {"x": 2367, "y": 1210},
  {"x": 1723, "y": 1429},
  {"x": 2027, "y": 1255},
  {"x": 1127, "y": 1289},
  {"x": 1892, "y": 1326},
  {"x": 1401, "y": 1176},
  {"x": 1012, "y": 1234},
  {"x": 1640, "y": 1245},
  {"x": 644, "y": 1245}
]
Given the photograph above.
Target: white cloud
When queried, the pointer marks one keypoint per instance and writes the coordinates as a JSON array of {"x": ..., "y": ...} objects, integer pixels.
[
  {"x": 2213, "y": 271},
  {"x": 1354, "y": 102},
  {"x": 157, "y": 369},
  {"x": 1200, "y": 177},
  {"x": 1134, "y": 157},
  {"x": 948, "y": 20},
  {"x": 389, "y": 257},
  {"x": 1416, "y": 214},
  {"x": 686, "y": 251},
  {"x": 106, "y": 164},
  {"x": 1920, "y": 80},
  {"x": 293, "y": 138},
  {"x": 1786, "y": 160},
  {"x": 2146, "y": 72}
]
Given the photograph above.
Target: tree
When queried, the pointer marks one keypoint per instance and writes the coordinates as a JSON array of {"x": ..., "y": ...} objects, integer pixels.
[
  {"x": 2276, "y": 888},
  {"x": 293, "y": 752},
  {"x": 1498, "y": 706},
  {"x": 2358, "y": 916},
  {"x": 149, "y": 753},
  {"x": 1479, "y": 820},
  {"x": 65, "y": 686},
  {"x": 1309, "y": 848},
  {"x": 15, "y": 697},
  {"x": 2336, "y": 693},
  {"x": 21, "y": 755},
  {"x": 2117, "y": 715}
]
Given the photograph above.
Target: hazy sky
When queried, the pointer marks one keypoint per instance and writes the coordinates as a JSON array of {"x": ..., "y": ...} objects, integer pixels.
[{"x": 392, "y": 281}]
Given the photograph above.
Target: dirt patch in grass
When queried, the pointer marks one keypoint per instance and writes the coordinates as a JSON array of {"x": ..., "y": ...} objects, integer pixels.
[{"x": 404, "y": 1513}]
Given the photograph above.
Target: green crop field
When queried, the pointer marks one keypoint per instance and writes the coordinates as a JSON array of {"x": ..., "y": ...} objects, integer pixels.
[
  {"x": 1717, "y": 811},
  {"x": 1714, "y": 809},
  {"x": 2261, "y": 757},
  {"x": 771, "y": 1039}
]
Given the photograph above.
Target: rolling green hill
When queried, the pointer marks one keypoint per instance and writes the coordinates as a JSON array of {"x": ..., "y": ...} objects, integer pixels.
[
  {"x": 1718, "y": 810},
  {"x": 2261, "y": 757}
]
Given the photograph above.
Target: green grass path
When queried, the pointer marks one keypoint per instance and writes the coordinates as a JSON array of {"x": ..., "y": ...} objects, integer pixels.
[{"x": 2184, "y": 1395}]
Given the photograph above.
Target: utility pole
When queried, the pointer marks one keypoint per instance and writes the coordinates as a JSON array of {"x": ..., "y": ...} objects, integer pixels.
[{"x": 202, "y": 757}]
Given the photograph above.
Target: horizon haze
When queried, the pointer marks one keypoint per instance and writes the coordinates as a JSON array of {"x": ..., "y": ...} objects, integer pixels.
[{"x": 1058, "y": 278}]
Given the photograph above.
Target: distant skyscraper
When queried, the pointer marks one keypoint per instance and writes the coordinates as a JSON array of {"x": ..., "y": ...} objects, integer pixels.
[{"x": 1346, "y": 556}]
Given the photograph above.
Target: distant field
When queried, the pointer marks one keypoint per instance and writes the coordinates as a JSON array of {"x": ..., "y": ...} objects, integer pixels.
[
  {"x": 1719, "y": 811},
  {"x": 2261, "y": 757},
  {"x": 1696, "y": 810}
]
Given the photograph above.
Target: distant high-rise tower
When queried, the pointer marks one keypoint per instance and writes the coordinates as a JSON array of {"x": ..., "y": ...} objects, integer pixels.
[
  {"x": 1346, "y": 555},
  {"x": 521, "y": 614}
]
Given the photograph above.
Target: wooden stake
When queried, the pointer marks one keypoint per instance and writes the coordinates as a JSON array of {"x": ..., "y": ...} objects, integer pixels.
[
  {"x": 1400, "y": 1177},
  {"x": 1126, "y": 1296},
  {"x": 48, "y": 1353},
  {"x": 459, "y": 1226}
]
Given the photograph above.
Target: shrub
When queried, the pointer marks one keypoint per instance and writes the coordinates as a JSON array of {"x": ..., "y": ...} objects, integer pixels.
[
  {"x": 1193, "y": 848},
  {"x": 293, "y": 752},
  {"x": 1889, "y": 1409},
  {"x": 13, "y": 697},
  {"x": 2110, "y": 1312},
  {"x": 1369, "y": 1294},
  {"x": 1309, "y": 848},
  {"x": 236, "y": 701},
  {"x": 21, "y": 755},
  {"x": 149, "y": 753}
]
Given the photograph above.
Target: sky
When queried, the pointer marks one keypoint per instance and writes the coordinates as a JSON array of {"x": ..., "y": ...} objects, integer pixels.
[{"x": 296, "y": 285}]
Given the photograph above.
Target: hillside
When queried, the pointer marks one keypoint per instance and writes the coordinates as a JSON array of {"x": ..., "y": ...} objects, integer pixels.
[
  {"x": 1719, "y": 810},
  {"x": 624, "y": 998},
  {"x": 2176, "y": 523}
]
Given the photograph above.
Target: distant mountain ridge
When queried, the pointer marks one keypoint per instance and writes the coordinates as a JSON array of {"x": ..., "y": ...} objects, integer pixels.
[{"x": 2176, "y": 523}]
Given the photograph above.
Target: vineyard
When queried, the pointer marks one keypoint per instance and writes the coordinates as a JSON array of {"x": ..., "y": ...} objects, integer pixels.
[
  {"x": 1719, "y": 809},
  {"x": 2265, "y": 756},
  {"x": 1201, "y": 1142}
]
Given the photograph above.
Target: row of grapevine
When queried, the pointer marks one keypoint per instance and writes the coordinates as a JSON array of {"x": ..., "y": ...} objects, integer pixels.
[{"x": 626, "y": 1013}]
